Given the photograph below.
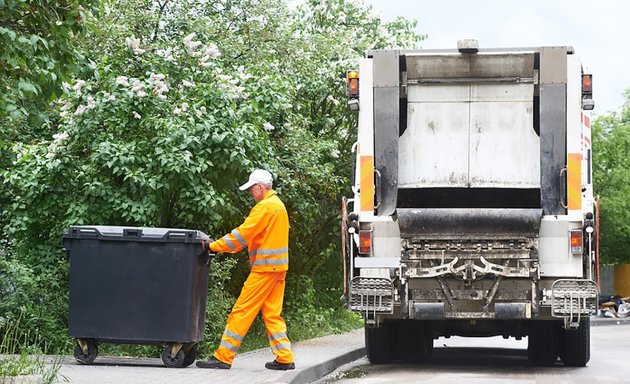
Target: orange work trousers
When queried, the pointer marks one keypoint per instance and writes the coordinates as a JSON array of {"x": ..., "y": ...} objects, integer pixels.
[{"x": 261, "y": 291}]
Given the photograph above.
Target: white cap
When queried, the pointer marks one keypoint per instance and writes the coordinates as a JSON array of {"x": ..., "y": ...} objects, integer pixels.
[{"x": 258, "y": 176}]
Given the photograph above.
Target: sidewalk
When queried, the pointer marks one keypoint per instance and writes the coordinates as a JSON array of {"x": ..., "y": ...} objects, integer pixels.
[{"x": 314, "y": 358}]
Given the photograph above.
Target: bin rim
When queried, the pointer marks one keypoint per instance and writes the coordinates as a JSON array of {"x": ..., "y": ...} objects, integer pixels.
[{"x": 111, "y": 232}]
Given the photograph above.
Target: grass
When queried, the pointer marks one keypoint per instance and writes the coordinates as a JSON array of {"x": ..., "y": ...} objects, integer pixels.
[{"x": 19, "y": 358}]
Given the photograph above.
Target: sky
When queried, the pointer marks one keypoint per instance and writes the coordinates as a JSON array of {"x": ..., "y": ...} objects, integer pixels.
[{"x": 598, "y": 30}]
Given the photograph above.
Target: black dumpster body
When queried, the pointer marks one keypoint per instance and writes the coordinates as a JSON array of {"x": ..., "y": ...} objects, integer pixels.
[{"x": 137, "y": 286}]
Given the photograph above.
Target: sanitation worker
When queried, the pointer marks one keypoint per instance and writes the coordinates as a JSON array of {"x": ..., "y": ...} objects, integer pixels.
[{"x": 265, "y": 233}]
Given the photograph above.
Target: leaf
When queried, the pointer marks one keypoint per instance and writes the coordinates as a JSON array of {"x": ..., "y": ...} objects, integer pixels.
[
  {"x": 24, "y": 40},
  {"x": 8, "y": 32},
  {"x": 27, "y": 87}
]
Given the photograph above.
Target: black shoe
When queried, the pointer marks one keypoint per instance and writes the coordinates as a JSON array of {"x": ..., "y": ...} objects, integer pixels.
[
  {"x": 213, "y": 363},
  {"x": 279, "y": 366}
]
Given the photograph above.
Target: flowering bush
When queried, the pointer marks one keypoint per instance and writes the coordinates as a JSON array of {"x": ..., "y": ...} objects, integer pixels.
[{"x": 182, "y": 101}]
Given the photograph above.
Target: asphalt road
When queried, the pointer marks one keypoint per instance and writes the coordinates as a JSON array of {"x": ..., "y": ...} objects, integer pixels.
[{"x": 495, "y": 360}]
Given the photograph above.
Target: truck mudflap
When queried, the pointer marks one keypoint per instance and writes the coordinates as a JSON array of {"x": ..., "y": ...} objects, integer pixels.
[
  {"x": 572, "y": 300},
  {"x": 371, "y": 296},
  {"x": 471, "y": 223}
]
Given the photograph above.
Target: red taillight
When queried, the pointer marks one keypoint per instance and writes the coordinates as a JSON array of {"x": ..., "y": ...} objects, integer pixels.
[
  {"x": 352, "y": 78},
  {"x": 576, "y": 242},
  {"x": 587, "y": 85},
  {"x": 365, "y": 241}
]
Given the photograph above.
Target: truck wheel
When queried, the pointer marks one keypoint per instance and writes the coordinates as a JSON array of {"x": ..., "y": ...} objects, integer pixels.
[
  {"x": 379, "y": 344},
  {"x": 543, "y": 342},
  {"x": 171, "y": 361},
  {"x": 575, "y": 345},
  {"x": 86, "y": 357},
  {"x": 415, "y": 341}
]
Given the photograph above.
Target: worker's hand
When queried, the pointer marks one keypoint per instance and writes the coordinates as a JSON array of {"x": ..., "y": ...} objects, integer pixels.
[{"x": 205, "y": 245}]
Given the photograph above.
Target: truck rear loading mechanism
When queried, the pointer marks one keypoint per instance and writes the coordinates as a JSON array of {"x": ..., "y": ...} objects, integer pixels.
[{"x": 472, "y": 211}]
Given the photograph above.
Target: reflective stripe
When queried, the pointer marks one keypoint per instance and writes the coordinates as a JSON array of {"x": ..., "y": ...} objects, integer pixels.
[
  {"x": 228, "y": 345},
  {"x": 284, "y": 260},
  {"x": 277, "y": 336},
  {"x": 238, "y": 237},
  {"x": 574, "y": 181},
  {"x": 281, "y": 346},
  {"x": 366, "y": 183},
  {"x": 229, "y": 242},
  {"x": 233, "y": 335},
  {"x": 261, "y": 251}
]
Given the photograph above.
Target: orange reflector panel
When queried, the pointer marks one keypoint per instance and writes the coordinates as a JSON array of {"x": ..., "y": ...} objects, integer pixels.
[
  {"x": 352, "y": 78},
  {"x": 365, "y": 241},
  {"x": 574, "y": 181},
  {"x": 576, "y": 242},
  {"x": 587, "y": 84}
]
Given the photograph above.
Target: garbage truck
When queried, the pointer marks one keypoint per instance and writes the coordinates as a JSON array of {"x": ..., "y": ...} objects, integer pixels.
[{"x": 471, "y": 212}]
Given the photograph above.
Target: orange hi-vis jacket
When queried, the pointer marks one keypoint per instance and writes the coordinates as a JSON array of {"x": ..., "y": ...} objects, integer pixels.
[{"x": 265, "y": 232}]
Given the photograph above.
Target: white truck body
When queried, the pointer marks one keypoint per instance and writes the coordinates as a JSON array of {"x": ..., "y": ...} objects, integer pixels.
[{"x": 472, "y": 196}]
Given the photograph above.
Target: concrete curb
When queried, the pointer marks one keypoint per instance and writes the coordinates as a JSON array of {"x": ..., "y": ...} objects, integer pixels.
[
  {"x": 320, "y": 370},
  {"x": 605, "y": 321}
]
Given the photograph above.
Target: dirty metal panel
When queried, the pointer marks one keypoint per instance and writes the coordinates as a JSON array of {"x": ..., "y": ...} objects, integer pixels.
[
  {"x": 431, "y": 93},
  {"x": 386, "y": 69},
  {"x": 553, "y": 65},
  {"x": 508, "y": 65},
  {"x": 386, "y": 128},
  {"x": 502, "y": 93},
  {"x": 442, "y": 66},
  {"x": 504, "y": 148},
  {"x": 553, "y": 131},
  {"x": 433, "y": 151}
]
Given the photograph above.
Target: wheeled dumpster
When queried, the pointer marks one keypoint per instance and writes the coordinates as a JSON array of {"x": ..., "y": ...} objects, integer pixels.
[{"x": 137, "y": 286}]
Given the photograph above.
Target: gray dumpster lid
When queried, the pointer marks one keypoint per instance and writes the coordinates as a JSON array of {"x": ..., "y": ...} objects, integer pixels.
[{"x": 130, "y": 233}]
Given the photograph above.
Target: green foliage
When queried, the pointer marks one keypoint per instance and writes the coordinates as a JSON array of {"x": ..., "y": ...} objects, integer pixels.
[
  {"x": 181, "y": 101},
  {"x": 611, "y": 173},
  {"x": 37, "y": 51}
]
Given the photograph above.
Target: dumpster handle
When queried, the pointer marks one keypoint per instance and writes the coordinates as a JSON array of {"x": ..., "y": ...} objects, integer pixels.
[
  {"x": 187, "y": 236},
  {"x": 85, "y": 231}
]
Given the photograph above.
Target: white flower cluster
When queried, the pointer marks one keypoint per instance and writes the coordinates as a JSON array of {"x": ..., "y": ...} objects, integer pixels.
[
  {"x": 134, "y": 44},
  {"x": 91, "y": 104},
  {"x": 58, "y": 138},
  {"x": 268, "y": 127},
  {"x": 201, "y": 111},
  {"x": 228, "y": 83},
  {"x": 64, "y": 108},
  {"x": 138, "y": 88},
  {"x": 191, "y": 46},
  {"x": 167, "y": 54},
  {"x": 205, "y": 54},
  {"x": 156, "y": 83},
  {"x": 78, "y": 86},
  {"x": 210, "y": 53},
  {"x": 180, "y": 109},
  {"x": 160, "y": 87},
  {"x": 61, "y": 136}
]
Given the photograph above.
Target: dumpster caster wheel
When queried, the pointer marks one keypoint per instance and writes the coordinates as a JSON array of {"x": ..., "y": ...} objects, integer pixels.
[
  {"x": 171, "y": 361},
  {"x": 191, "y": 356},
  {"x": 86, "y": 357}
]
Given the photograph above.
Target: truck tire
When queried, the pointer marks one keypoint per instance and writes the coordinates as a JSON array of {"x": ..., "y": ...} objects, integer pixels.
[
  {"x": 575, "y": 345},
  {"x": 415, "y": 341},
  {"x": 379, "y": 345},
  {"x": 543, "y": 342}
]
